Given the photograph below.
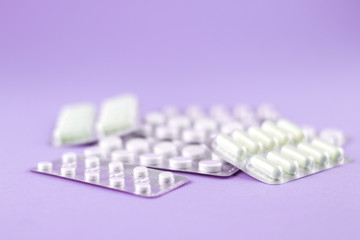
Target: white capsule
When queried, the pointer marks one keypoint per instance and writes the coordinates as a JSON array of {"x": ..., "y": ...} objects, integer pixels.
[
  {"x": 179, "y": 122},
  {"x": 123, "y": 156},
  {"x": 142, "y": 188},
  {"x": 243, "y": 139},
  {"x": 151, "y": 159},
  {"x": 295, "y": 131},
  {"x": 164, "y": 132},
  {"x": 138, "y": 146},
  {"x": 44, "y": 167},
  {"x": 166, "y": 178},
  {"x": 110, "y": 144},
  {"x": 266, "y": 167},
  {"x": 229, "y": 127},
  {"x": 259, "y": 135},
  {"x": 69, "y": 158},
  {"x": 180, "y": 162},
  {"x": 68, "y": 171},
  {"x": 192, "y": 135},
  {"x": 334, "y": 136},
  {"x": 141, "y": 172},
  {"x": 195, "y": 112},
  {"x": 334, "y": 152},
  {"x": 116, "y": 167},
  {"x": 116, "y": 182},
  {"x": 288, "y": 165},
  {"x": 319, "y": 157},
  {"x": 193, "y": 151},
  {"x": 271, "y": 129},
  {"x": 166, "y": 149},
  {"x": 210, "y": 166},
  {"x": 92, "y": 162},
  {"x": 170, "y": 111},
  {"x": 303, "y": 160},
  {"x": 92, "y": 176},
  {"x": 227, "y": 144},
  {"x": 155, "y": 118},
  {"x": 93, "y": 152}
]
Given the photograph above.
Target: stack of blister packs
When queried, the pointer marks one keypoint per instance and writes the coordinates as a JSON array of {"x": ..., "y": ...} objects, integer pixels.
[{"x": 139, "y": 155}]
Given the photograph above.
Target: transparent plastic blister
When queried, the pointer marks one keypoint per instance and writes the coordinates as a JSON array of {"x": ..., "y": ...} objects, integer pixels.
[
  {"x": 163, "y": 154},
  {"x": 137, "y": 180},
  {"x": 277, "y": 153},
  {"x": 79, "y": 124}
]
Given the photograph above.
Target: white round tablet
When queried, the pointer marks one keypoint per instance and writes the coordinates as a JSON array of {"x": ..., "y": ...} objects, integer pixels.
[
  {"x": 192, "y": 135},
  {"x": 195, "y": 111},
  {"x": 206, "y": 124},
  {"x": 93, "y": 151},
  {"x": 267, "y": 111},
  {"x": 166, "y": 178},
  {"x": 155, "y": 118},
  {"x": 92, "y": 176},
  {"x": 195, "y": 152},
  {"x": 116, "y": 167},
  {"x": 170, "y": 111},
  {"x": 116, "y": 182},
  {"x": 210, "y": 166},
  {"x": 334, "y": 136},
  {"x": 243, "y": 111},
  {"x": 218, "y": 111},
  {"x": 44, "y": 167},
  {"x": 68, "y": 171},
  {"x": 142, "y": 188},
  {"x": 140, "y": 172},
  {"x": 138, "y": 145},
  {"x": 123, "y": 156},
  {"x": 179, "y": 122},
  {"x": 216, "y": 157},
  {"x": 151, "y": 159},
  {"x": 180, "y": 162},
  {"x": 110, "y": 144},
  {"x": 229, "y": 127},
  {"x": 164, "y": 132},
  {"x": 92, "y": 162},
  {"x": 166, "y": 149},
  {"x": 69, "y": 158}
]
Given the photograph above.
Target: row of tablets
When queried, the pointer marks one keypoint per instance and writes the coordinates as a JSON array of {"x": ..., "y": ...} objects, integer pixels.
[{"x": 138, "y": 180}]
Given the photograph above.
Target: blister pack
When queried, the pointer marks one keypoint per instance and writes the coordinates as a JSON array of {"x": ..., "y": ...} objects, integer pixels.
[
  {"x": 195, "y": 124},
  {"x": 277, "y": 153},
  {"x": 116, "y": 175},
  {"x": 162, "y": 154},
  {"x": 79, "y": 123}
]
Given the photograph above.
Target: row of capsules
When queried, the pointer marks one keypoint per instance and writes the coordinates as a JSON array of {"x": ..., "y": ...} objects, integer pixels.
[
  {"x": 277, "y": 152},
  {"x": 162, "y": 154},
  {"x": 95, "y": 169},
  {"x": 196, "y": 124}
]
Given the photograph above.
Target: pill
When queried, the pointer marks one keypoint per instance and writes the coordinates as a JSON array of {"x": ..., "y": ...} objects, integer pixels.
[
  {"x": 227, "y": 144},
  {"x": 138, "y": 146},
  {"x": 93, "y": 152},
  {"x": 259, "y": 135},
  {"x": 140, "y": 172},
  {"x": 206, "y": 124},
  {"x": 116, "y": 182},
  {"x": 164, "y": 132},
  {"x": 155, "y": 118},
  {"x": 334, "y": 152},
  {"x": 166, "y": 178},
  {"x": 180, "y": 162},
  {"x": 309, "y": 132},
  {"x": 334, "y": 136},
  {"x": 210, "y": 166},
  {"x": 195, "y": 111},
  {"x": 318, "y": 156},
  {"x": 243, "y": 139},
  {"x": 110, "y": 144},
  {"x": 118, "y": 114},
  {"x": 146, "y": 129},
  {"x": 68, "y": 171},
  {"x": 192, "y": 135},
  {"x": 151, "y": 159},
  {"x": 69, "y": 158},
  {"x": 92, "y": 176},
  {"x": 266, "y": 167},
  {"x": 302, "y": 159},
  {"x": 219, "y": 111},
  {"x": 170, "y": 111},
  {"x": 166, "y": 149},
  {"x": 123, "y": 156},
  {"x": 44, "y": 166},
  {"x": 179, "y": 122},
  {"x": 92, "y": 162},
  {"x": 243, "y": 112},
  {"x": 216, "y": 157},
  {"x": 267, "y": 111},
  {"x": 288, "y": 165},
  {"x": 231, "y": 126},
  {"x": 142, "y": 188},
  {"x": 195, "y": 152},
  {"x": 116, "y": 167},
  {"x": 271, "y": 129},
  {"x": 295, "y": 131}
]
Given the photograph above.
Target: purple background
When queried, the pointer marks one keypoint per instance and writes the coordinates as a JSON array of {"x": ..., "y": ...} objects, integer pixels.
[{"x": 302, "y": 56}]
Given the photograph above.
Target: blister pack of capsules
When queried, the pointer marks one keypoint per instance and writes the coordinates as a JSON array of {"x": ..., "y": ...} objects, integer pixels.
[
  {"x": 277, "y": 152},
  {"x": 116, "y": 175},
  {"x": 162, "y": 154},
  {"x": 80, "y": 124},
  {"x": 195, "y": 124}
]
